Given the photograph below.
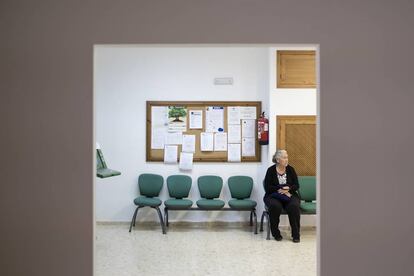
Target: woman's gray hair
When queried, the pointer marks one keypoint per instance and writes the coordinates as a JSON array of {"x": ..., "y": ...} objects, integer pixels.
[{"x": 277, "y": 155}]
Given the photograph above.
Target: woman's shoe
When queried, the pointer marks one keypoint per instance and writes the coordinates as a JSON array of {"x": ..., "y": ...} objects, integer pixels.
[
  {"x": 296, "y": 240},
  {"x": 279, "y": 238}
]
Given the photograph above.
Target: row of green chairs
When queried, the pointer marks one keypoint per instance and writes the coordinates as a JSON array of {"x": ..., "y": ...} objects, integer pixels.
[
  {"x": 307, "y": 193},
  {"x": 179, "y": 186}
]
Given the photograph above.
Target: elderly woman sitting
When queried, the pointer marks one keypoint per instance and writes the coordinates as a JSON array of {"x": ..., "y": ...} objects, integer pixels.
[{"x": 281, "y": 184}]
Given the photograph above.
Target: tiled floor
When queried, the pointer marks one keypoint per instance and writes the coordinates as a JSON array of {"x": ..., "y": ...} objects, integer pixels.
[{"x": 201, "y": 250}]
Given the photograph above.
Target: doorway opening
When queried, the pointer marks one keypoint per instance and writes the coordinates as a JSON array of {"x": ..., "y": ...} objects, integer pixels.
[{"x": 126, "y": 77}]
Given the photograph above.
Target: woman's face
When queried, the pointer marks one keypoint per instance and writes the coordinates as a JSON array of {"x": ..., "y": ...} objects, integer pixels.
[{"x": 283, "y": 159}]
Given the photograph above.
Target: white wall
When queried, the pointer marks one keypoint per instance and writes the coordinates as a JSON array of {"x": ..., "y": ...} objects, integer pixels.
[{"x": 128, "y": 76}]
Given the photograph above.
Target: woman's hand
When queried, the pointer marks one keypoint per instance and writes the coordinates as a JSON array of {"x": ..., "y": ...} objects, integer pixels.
[{"x": 284, "y": 191}]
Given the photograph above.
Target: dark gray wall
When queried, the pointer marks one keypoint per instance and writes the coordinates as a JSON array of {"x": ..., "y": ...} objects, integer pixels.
[{"x": 46, "y": 119}]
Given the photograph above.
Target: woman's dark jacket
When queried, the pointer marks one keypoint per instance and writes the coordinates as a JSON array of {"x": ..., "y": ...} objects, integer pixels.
[{"x": 271, "y": 181}]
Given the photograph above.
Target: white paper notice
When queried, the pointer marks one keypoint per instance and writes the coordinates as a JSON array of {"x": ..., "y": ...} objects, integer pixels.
[
  {"x": 173, "y": 138},
  {"x": 206, "y": 141},
  {"x": 233, "y": 115},
  {"x": 186, "y": 161},
  {"x": 170, "y": 154},
  {"x": 248, "y": 147},
  {"x": 234, "y": 154},
  {"x": 220, "y": 141},
  {"x": 248, "y": 128},
  {"x": 159, "y": 126},
  {"x": 214, "y": 118},
  {"x": 248, "y": 112},
  {"x": 196, "y": 119},
  {"x": 188, "y": 143},
  {"x": 159, "y": 115},
  {"x": 234, "y": 133},
  {"x": 158, "y": 137}
]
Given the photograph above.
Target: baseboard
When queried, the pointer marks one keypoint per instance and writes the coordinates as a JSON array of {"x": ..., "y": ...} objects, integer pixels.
[{"x": 196, "y": 224}]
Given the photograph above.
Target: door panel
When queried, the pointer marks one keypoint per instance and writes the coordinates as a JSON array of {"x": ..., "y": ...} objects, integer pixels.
[
  {"x": 297, "y": 135},
  {"x": 296, "y": 69}
]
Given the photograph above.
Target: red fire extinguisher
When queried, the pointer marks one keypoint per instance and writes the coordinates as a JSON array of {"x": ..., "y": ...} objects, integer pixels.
[{"x": 263, "y": 130}]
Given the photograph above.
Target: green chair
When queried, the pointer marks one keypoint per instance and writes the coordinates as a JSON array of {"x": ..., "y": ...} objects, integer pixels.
[
  {"x": 210, "y": 188},
  {"x": 240, "y": 189},
  {"x": 150, "y": 186},
  {"x": 307, "y": 191},
  {"x": 178, "y": 187}
]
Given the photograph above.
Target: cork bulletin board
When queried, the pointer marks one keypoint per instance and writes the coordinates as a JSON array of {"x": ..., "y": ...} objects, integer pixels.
[{"x": 157, "y": 155}]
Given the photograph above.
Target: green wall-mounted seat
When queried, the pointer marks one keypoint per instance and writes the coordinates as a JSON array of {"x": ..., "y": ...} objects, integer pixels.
[
  {"x": 307, "y": 191},
  {"x": 210, "y": 188},
  {"x": 102, "y": 170},
  {"x": 150, "y": 186}
]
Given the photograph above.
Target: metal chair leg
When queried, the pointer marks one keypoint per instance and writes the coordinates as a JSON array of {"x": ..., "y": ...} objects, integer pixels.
[
  {"x": 255, "y": 221},
  {"x": 161, "y": 220},
  {"x": 251, "y": 218},
  {"x": 166, "y": 217},
  {"x": 261, "y": 221},
  {"x": 133, "y": 219},
  {"x": 268, "y": 226}
]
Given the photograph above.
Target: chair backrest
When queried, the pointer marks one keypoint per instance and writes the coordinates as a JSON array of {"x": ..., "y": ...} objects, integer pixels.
[
  {"x": 210, "y": 186},
  {"x": 240, "y": 186},
  {"x": 149, "y": 184},
  {"x": 179, "y": 185},
  {"x": 307, "y": 188}
]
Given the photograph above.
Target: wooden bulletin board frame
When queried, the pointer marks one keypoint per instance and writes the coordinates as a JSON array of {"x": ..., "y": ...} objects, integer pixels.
[{"x": 157, "y": 155}]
